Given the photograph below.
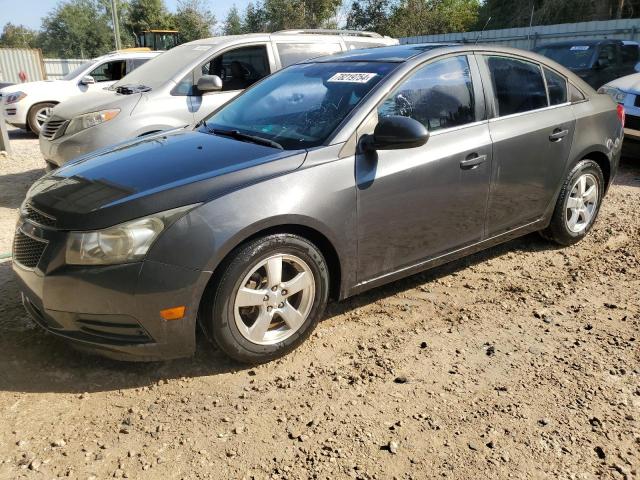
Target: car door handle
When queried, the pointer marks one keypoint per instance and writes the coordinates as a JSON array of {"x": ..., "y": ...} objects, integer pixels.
[
  {"x": 472, "y": 161},
  {"x": 558, "y": 135}
]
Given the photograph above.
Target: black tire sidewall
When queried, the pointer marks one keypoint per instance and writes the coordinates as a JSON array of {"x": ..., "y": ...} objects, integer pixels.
[
  {"x": 558, "y": 229},
  {"x": 222, "y": 321}
]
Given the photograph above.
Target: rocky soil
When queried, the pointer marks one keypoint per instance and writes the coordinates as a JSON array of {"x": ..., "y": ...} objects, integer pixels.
[{"x": 519, "y": 362}]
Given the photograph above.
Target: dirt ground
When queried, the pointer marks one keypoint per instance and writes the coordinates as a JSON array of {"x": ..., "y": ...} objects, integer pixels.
[{"x": 519, "y": 362}]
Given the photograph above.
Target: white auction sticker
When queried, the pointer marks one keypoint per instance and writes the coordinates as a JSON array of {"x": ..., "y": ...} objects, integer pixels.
[
  {"x": 580, "y": 47},
  {"x": 346, "y": 77}
]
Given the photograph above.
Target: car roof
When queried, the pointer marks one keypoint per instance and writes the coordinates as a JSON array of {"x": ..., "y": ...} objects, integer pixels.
[
  {"x": 319, "y": 36},
  {"x": 570, "y": 43},
  {"x": 390, "y": 54},
  {"x": 121, "y": 54}
]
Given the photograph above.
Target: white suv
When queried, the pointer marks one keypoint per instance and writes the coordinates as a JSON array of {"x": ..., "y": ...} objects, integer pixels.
[
  {"x": 27, "y": 105},
  {"x": 184, "y": 85}
]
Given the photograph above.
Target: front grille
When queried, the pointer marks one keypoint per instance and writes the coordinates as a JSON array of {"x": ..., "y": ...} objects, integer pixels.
[
  {"x": 632, "y": 122},
  {"x": 27, "y": 251},
  {"x": 38, "y": 217},
  {"x": 53, "y": 128}
]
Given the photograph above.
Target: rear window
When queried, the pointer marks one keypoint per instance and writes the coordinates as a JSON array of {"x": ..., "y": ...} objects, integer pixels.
[
  {"x": 291, "y": 53},
  {"x": 571, "y": 56},
  {"x": 517, "y": 84}
]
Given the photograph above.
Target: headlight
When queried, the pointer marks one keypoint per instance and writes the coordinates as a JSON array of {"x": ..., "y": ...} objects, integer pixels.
[
  {"x": 616, "y": 94},
  {"x": 124, "y": 243},
  {"x": 14, "y": 97},
  {"x": 82, "y": 122}
]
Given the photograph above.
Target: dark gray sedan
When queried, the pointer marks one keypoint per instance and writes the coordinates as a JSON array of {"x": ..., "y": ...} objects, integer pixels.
[{"x": 326, "y": 179}]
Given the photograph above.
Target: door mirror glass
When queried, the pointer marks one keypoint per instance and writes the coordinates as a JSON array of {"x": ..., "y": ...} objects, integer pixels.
[
  {"x": 209, "y": 83},
  {"x": 395, "y": 133},
  {"x": 87, "y": 80}
]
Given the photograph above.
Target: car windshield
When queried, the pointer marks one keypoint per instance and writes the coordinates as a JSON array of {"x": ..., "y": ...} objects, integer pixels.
[
  {"x": 570, "y": 56},
  {"x": 158, "y": 70},
  {"x": 77, "y": 71},
  {"x": 300, "y": 106}
]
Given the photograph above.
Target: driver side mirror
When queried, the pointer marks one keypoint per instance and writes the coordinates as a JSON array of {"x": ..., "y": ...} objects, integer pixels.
[
  {"x": 395, "y": 133},
  {"x": 87, "y": 80},
  {"x": 209, "y": 83},
  {"x": 602, "y": 63}
]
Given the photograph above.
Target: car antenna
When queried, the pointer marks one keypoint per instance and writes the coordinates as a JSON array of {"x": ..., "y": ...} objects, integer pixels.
[{"x": 482, "y": 31}]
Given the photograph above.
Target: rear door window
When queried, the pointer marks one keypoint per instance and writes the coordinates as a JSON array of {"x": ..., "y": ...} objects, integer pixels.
[
  {"x": 518, "y": 85},
  {"x": 134, "y": 63},
  {"x": 557, "y": 86},
  {"x": 291, "y": 53},
  {"x": 239, "y": 68},
  {"x": 439, "y": 95},
  {"x": 109, "y": 71},
  {"x": 358, "y": 44}
]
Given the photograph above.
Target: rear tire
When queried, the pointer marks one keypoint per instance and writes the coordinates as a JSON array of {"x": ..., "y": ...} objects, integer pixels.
[
  {"x": 578, "y": 205},
  {"x": 37, "y": 115},
  {"x": 270, "y": 295}
]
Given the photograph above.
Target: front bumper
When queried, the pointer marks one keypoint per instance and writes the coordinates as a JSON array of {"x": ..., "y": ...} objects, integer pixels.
[
  {"x": 113, "y": 310},
  {"x": 16, "y": 114},
  {"x": 60, "y": 150}
]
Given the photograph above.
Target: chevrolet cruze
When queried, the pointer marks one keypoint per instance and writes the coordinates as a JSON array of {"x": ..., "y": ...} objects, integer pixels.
[{"x": 323, "y": 180}]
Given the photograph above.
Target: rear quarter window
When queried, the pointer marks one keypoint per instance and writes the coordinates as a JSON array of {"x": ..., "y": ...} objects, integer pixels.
[{"x": 557, "y": 87}]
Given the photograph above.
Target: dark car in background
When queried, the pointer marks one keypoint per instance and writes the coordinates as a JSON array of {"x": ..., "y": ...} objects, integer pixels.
[
  {"x": 595, "y": 61},
  {"x": 325, "y": 179}
]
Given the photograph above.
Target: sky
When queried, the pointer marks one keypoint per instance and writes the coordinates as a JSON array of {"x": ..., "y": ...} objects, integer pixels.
[{"x": 30, "y": 12}]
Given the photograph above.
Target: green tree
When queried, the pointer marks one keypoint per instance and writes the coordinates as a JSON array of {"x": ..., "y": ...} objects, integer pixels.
[
  {"x": 255, "y": 20},
  {"x": 77, "y": 28},
  {"x": 288, "y": 14},
  {"x": 233, "y": 22},
  {"x": 371, "y": 15},
  {"x": 194, "y": 20},
  {"x": 428, "y": 17},
  {"x": 18, "y": 36},
  {"x": 147, "y": 15}
]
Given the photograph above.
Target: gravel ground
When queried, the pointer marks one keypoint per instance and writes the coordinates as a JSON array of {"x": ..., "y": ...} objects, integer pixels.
[{"x": 518, "y": 362}]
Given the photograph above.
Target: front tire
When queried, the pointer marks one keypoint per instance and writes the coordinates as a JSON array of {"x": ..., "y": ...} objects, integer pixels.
[
  {"x": 37, "y": 115},
  {"x": 578, "y": 204},
  {"x": 269, "y": 298}
]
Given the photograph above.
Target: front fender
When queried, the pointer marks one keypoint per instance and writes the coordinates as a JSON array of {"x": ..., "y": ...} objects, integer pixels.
[{"x": 322, "y": 198}]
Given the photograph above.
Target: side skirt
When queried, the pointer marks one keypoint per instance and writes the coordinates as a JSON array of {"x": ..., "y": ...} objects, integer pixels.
[{"x": 446, "y": 258}]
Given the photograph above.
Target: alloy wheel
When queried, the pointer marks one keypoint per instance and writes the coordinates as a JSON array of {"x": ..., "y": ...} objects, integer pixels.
[
  {"x": 274, "y": 299},
  {"x": 582, "y": 203},
  {"x": 41, "y": 116}
]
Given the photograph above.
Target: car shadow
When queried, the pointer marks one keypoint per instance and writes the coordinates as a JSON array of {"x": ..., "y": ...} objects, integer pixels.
[
  {"x": 20, "y": 134},
  {"x": 14, "y": 186},
  {"x": 35, "y": 361}
]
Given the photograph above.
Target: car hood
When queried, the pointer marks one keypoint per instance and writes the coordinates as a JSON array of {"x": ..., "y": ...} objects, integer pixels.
[
  {"x": 630, "y": 83},
  {"x": 37, "y": 87},
  {"x": 94, "y": 102},
  {"x": 156, "y": 173}
]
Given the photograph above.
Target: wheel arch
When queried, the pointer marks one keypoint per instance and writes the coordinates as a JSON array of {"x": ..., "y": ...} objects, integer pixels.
[
  {"x": 602, "y": 159},
  {"x": 313, "y": 235}
]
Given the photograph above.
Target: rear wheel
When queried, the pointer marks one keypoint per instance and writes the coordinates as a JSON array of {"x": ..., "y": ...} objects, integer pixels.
[
  {"x": 269, "y": 298},
  {"x": 578, "y": 204},
  {"x": 38, "y": 114}
]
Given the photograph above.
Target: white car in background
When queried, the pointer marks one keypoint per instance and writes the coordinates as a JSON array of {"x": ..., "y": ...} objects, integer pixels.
[
  {"x": 625, "y": 91},
  {"x": 27, "y": 105}
]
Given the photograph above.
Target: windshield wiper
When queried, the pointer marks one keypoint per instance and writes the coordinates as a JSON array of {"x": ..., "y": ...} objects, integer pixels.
[{"x": 246, "y": 137}]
